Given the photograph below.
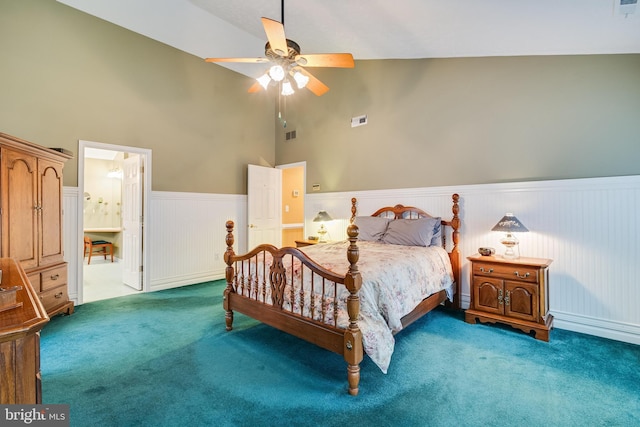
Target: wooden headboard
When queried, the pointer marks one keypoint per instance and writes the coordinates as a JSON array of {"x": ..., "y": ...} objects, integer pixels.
[{"x": 410, "y": 212}]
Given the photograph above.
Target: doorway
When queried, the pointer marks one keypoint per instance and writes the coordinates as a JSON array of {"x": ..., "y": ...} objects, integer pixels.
[
  {"x": 114, "y": 183},
  {"x": 275, "y": 204}
]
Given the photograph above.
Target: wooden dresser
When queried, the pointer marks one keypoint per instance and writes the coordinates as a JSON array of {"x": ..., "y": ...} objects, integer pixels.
[
  {"x": 31, "y": 211},
  {"x": 20, "y": 325}
]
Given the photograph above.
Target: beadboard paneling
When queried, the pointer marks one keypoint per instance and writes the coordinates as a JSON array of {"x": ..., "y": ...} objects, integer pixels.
[
  {"x": 586, "y": 226},
  {"x": 188, "y": 236},
  {"x": 73, "y": 245}
]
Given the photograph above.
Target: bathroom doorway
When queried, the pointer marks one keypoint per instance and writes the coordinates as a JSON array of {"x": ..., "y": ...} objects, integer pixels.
[{"x": 114, "y": 182}]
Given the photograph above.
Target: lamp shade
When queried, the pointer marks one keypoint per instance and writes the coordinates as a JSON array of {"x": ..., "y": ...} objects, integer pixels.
[
  {"x": 510, "y": 224},
  {"x": 322, "y": 216}
]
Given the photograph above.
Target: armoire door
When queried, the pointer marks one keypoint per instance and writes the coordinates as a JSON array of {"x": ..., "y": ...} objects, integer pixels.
[
  {"x": 20, "y": 207},
  {"x": 50, "y": 213}
]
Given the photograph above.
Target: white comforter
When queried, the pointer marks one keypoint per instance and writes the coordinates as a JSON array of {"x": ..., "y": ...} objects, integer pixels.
[{"x": 395, "y": 279}]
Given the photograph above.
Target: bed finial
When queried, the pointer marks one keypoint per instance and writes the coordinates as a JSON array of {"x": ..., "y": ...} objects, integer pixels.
[{"x": 353, "y": 209}]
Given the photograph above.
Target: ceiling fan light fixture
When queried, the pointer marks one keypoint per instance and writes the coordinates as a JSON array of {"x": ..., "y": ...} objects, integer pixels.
[
  {"x": 276, "y": 72},
  {"x": 287, "y": 89},
  {"x": 301, "y": 79},
  {"x": 264, "y": 80}
]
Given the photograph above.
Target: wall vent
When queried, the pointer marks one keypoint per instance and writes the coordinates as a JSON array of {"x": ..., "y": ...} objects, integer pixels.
[{"x": 290, "y": 135}]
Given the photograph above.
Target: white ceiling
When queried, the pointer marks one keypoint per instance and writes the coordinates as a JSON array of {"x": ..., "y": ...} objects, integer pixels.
[{"x": 380, "y": 29}]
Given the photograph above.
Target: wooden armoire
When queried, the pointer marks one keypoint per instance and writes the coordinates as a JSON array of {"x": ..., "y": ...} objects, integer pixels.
[{"x": 31, "y": 211}]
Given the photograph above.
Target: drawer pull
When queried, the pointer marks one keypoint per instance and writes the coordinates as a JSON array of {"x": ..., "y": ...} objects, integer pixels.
[
  {"x": 521, "y": 276},
  {"x": 499, "y": 296},
  {"x": 59, "y": 295},
  {"x": 55, "y": 277},
  {"x": 489, "y": 271},
  {"x": 507, "y": 298}
]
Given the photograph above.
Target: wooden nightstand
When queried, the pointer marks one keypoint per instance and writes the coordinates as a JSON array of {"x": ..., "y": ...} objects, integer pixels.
[
  {"x": 303, "y": 243},
  {"x": 511, "y": 291}
]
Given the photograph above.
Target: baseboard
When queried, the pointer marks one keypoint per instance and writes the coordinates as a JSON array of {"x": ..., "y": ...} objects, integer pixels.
[
  {"x": 602, "y": 328},
  {"x": 185, "y": 280}
]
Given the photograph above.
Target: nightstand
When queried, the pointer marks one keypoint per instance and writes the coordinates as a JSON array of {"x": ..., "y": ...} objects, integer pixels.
[
  {"x": 511, "y": 291},
  {"x": 303, "y": 243}
]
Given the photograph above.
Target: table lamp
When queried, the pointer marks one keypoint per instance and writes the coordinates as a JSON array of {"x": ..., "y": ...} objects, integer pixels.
[{"x": 510, "y": 224}]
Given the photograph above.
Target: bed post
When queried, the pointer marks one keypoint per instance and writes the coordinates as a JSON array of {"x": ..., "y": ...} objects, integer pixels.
[
  {"x": 353, "y": 351},
  {"x": 455, "y": 251},
  {"x": 229, "y": 273}
]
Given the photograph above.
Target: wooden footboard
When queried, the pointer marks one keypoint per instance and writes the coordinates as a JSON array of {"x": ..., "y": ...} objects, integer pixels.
[
  {"x": 286, "y": 289},
  {"x": 272, "y": 285}
]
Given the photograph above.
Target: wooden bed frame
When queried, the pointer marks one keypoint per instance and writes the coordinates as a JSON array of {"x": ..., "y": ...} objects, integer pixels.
[{"x": 241, "y": 293}]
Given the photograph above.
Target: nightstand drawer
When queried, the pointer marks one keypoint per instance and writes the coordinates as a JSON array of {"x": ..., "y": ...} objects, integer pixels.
[{"x": 510, "y": 272}]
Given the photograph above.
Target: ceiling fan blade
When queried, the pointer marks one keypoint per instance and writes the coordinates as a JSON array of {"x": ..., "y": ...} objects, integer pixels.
[
  {"x": 248, "y": 60},
  {"x": 255, "y": 88},
  {"x": 275, "y": 35},
  {"x": 314, "y": 85},
  {"x": 339, "y": 60}
]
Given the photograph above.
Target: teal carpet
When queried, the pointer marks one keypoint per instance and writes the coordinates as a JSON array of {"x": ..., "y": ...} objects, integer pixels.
[{"x": 165, "y": 359}]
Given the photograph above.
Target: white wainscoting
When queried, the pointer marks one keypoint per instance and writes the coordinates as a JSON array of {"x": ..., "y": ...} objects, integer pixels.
[
  {"x": 73, "y": 244},
  {"x": 187, "y": 236},
  {"x": 587, "y": 226}
]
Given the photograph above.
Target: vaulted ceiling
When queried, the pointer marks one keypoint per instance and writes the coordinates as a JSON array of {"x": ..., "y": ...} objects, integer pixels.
[{"x": 381, "y": 29}]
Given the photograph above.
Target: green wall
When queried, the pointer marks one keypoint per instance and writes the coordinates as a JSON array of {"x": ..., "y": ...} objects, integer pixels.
[
  {"x": 67, "y": 76},
  {"x": 467, "y": 121}
]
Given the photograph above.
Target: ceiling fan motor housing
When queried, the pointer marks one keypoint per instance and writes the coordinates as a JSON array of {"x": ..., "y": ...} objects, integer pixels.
[{"x": 293, "y": 51}]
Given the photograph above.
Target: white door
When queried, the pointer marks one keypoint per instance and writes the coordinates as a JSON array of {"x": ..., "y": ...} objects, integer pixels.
[
  {"x": 264, "y": 213},
  {"x": 132, "y": 219}
]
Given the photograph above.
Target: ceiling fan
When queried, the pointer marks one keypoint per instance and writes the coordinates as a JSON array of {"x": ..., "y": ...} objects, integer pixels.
[{"x": 288, "y": 62}]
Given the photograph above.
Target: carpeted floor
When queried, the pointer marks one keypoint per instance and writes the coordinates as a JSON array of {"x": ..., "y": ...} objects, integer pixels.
[{"x": 165, "y": 359}]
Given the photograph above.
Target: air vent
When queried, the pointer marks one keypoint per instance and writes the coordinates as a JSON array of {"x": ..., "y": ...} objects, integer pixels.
[
  {"x": 627, "y": 7},
  {"x": 290, "y": 135}
]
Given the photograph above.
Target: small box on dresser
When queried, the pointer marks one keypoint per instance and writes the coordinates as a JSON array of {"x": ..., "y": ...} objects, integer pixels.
[{"x": 511, "y": 291}]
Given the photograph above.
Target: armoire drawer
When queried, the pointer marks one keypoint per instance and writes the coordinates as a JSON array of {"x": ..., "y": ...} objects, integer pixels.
[
  {"x": 54, "y": 297},
  {"x": 53, "y": 278}
]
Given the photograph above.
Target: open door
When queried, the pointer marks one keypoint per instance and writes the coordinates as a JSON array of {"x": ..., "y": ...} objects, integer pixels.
[
  {"x": 264, "y": 211},
  {"x": 132, "y": 221}
]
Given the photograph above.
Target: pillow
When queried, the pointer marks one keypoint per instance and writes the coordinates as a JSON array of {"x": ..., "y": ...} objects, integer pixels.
[
  {"x": 436, "y": 240},
  {"x": 410, "y": 232},
  {"x": 371, "y": 228}
]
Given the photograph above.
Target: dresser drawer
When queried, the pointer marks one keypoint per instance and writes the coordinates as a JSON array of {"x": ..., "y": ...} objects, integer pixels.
[
  {"x": 35, "y": 281},
  {"x": 54, "y": 297},
  {"x": 53, "y": 277},
  {"x": 510, "y": 272}
]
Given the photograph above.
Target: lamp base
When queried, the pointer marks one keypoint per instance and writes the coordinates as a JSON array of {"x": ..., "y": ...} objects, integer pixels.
[
  {"x": 510, "y": 241},
  {"x": 321, "y": 234}
]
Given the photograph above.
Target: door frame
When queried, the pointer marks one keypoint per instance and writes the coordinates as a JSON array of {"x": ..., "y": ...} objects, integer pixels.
[
  {"x": 146, "y": 191},
  {"x": 302, "y": 164}
]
